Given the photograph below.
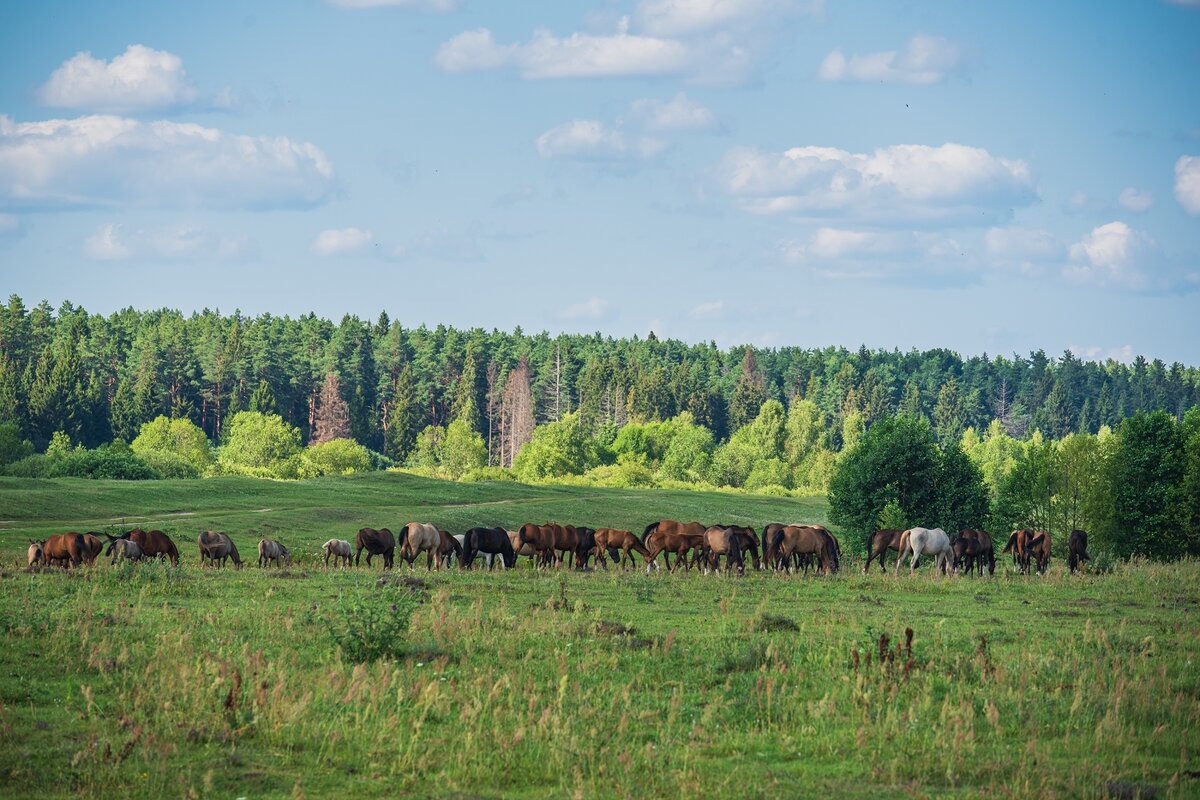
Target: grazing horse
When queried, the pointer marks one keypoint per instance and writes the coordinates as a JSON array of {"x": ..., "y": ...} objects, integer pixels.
[
  {"x": 1039, "y": 549},
  {"x": 125, "y": 549},
  {"x": 215, "y": 547},
  {"x": 66, "y": 547},
  {"x": 449, "y": 549},
  {"x": 747, "y": 540},
  {"x": 521, "y": 548},
  {"x": 154, "y": 544},
  {"x": 93, "y": 546},
  {"x": 813, "y": 540},
  {"x": 720, "y": 541},
  {"x": 340, "y": 549},
  {"x": 421, "y": 537},
  {"x": 1077, "y": 550},
  {"x": 925, "y": 541},
  {"x": 551, "y": 540},
  {"x": 376, "y": 543},
  {"x": 878, "y": 543},
  {"x": 585, "y": 546},
  {"x": 617, "y": 544},
  {"x": 488, "y": 542},
  {"x": 670, "y": 536},
  {"x": 975, "y": 549},
  {"x": 1018, "y": 545},
  {"x": 35, "y": 555},
  {"x": 271, "y": 551}
]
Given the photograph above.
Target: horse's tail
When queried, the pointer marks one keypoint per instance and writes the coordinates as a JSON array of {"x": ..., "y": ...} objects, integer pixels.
[
  {"x": 870, "y": 543},
  {"x": 638, "y": 547},
  {"x": 1012, "y": 542},
  {"x": 651, "y": 528},
  {"x": 776, "y": 543}
]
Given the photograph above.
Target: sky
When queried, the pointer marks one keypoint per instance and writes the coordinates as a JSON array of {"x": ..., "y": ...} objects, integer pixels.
[{"x": 986, "y": 177}]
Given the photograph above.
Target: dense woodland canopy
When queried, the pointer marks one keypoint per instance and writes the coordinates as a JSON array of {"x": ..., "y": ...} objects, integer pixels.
[{"x": 98, "y": 378}]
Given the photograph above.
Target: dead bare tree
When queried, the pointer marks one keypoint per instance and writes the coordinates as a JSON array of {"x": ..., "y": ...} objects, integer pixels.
[{"x": 516, "y": 413}]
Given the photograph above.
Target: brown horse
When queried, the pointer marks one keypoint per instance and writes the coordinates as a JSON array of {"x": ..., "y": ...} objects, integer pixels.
[
  {"x": 154, "y": 544},
  {"x": 1077, "y": 550},
  {"x": 448, "y": 549},
  {"x": 216, "y": 547},
  {"x": 610, "y": 539},
  {"x": 804, "y": 540},
  {"x": 520, "y": 549},
  {"x": 93, "y": 546},
  {"x": 376, "y": 543},
  {"x": 878, "y": 543},
  {"x": 68, "y": 548},
  {"x": 1018, "y": 545},
  {"x": 720, "y": 541},
  {"x": 974, "y": 549},
  {"x": 1039, "y": 550},
  {"x": 670, "y": 536},
  {"x": 747, "y": 540},
  {"x": 541, "y": 538}
]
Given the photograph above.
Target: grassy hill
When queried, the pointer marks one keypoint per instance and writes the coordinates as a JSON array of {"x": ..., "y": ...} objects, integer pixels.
[{"x": 303, "y": 514}]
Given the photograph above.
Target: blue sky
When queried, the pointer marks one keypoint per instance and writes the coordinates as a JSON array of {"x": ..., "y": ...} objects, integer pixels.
[{"x": 984, "y": 177}]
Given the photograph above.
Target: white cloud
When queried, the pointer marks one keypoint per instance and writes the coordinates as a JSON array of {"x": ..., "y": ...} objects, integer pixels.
[
  {"x": 915, "y": 183},
  {"x": 440, "y": 6},
  {"x": 842, "y": 244},
  {"x": 677, "y": 114},
  {"x": 1187, "y": 183},
  {"x": 589, "y": 140},
  {"x": 713, "y": 309},
  {"x": 340, "y": 241},
  {"x": 1124, "y": 353},
  {"x": 594, "y": 308},
  {"x": 579, "y": 55},
  {"x": 141, "y": 78},
  {"x": 109, "y": 160},
  {"x": 924, "y": 60},
  {"x": 111, "y": 242},
  {"x": 1135, "y": 199},
  {"x": 1106, "y": 256},
  {"x": 686, "y": 17}
]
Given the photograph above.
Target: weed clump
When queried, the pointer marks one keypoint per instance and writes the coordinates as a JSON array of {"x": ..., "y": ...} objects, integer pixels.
[{"x": 375, "y": 626}]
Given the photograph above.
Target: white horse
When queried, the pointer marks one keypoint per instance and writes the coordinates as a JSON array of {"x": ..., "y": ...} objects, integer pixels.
[
  {"x": 35, "y": 554},
  {"x": 928, "y": 542},
  {"x": 126, "y": 550},
  {"x": 340, "y": 550}
]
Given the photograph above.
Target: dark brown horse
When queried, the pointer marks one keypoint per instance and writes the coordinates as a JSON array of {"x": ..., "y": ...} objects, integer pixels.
[
  {"x": 1039, "y": 550},
  {"x": 747, "y": 541},
  {"x": 1077, "y": 550},
  {"x": 449, "y": 548},
  {"x": 669, "y": 536},
  {"x": 69, "y": 548},
  {"x": 377, "y": 543},
  {"x": 804, "y": 540},
  {"x": 973, "y": 549},
  {"x": 154, "y": 544},
  {"x": 878, "y": 543},
  {"x": 618, "y": 544}
]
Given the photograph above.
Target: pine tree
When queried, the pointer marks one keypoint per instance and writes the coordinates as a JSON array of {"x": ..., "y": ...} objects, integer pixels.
[
  {"x": 333, "y": 414},
  {"x": 749, "y": 393},
  {"x": 10, "y": 393},
  {"x": 467, "y": 392},
  {"x": 404, "y": 419},
  {"x": 949, "y": 414},
  {"x": 263, "y": 399}
]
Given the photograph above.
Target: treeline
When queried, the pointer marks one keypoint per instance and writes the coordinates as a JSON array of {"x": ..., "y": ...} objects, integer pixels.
[{"x": 100, "y": 378}]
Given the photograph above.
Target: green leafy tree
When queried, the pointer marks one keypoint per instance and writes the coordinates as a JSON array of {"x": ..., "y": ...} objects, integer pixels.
[
  {"x": 462, "y": 450},
  {"x": 1025, "y": 497},
  {"x": 749, "y": 393},
  {"x": 689, "y": 453},
  {"x": 995, "y": 453},
  {"x": 1084, "y": 498},
  {"x": 556, "y": 449},
  {"x": 258, "y": 444},
  {"x": 13, "y": 446},
  {"x": 896, "y": 462},
  {"x": 163, "y": 440},
  {"x": 335, "y": 457},
  {"x": 963, "y": 500},
  {"x": 1149, "y": 465},
  {"x": 950, "y": 413}
]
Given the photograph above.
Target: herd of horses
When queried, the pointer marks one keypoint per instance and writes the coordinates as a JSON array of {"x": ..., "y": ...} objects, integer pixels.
[{"x": 780, "y": 547}]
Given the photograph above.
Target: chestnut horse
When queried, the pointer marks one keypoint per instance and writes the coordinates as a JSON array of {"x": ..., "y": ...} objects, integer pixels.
[
  {"x": 93, "y": 547},
  {"x": 69, "y": 548},
  {"x": 376, "y": 543},
  {"x": 878, "y": 543},
  {"x": 1039, "y": 550},
  {"x": 154, "y": 544},
  {"x": 670, "y": 536},
  {"x": 618, "y": 544},
  {"x": 450, "y": 548},
  {"x": 974, "y": 548},
  {"x": 1077, "y": 550},
  {"x": 1018, "y": 545},
  {"x": 791, "y": 540}
]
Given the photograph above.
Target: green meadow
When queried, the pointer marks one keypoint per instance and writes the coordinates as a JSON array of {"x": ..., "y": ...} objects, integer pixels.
[{"x": 152, "y": 681}]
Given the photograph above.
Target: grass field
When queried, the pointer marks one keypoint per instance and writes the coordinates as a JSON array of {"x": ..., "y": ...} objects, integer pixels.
[{"x": 149, "y": 681}]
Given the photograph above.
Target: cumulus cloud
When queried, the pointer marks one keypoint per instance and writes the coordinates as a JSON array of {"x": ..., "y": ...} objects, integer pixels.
[
  {"x": 109, "y": 160},
  {"x": 340, "y": 241},
  {"x": 1187, "y": 183},
  {"x": 579, "y": 55},
  {"x": 1134, "y": 199},
  {"x": 1106, "y": 256},
  {"x": 440, "y": 6},
  {"x": 913, "y": 183},
  {"x": 594, "y": 308},
  {"x": 686, "y": 17},
  {"x": 141, "y": 78},
  {"x": 589, "y": 140},
  {"x": 677, "y": 114},
  {"x": 924, "y": 60},
  {"x": 111, "y": 242}
]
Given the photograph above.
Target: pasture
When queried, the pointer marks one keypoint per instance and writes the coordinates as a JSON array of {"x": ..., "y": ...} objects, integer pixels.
[{"x": 142, "y": 680}]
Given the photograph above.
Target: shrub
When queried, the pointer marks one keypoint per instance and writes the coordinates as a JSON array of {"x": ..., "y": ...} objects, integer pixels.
[
  {"x": 374, "y": 626},
  {"x": 179, "y": 439},
  {"x": 336, "y": 457},
  {"x": 13, "y": 447},
  {"x": 170, "y": 465},
  {"x": 35, "y": 466},
  {"x": 105, "y": 462},
  {"x": 259, "y": 445},
  {"x": 489, "y": 474}
]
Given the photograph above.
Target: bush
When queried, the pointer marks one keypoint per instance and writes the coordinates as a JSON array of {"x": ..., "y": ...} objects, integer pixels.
[
  {"x": 170, "y": 465},
  {"x": 489, "y": 474},
  {"x": 105, "y": 462},
  {"x": 259, "y": 445},
  {"x": 13, "y": 447},
  {"x": 336, "y": 457},
  {"x": 626, "y": 475},
  {"x": 178, "y": 439},
  {"x": 374, "y": 626},
  {"x": 768, "y": 472},
  {"x": 35, "y": 466}
]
